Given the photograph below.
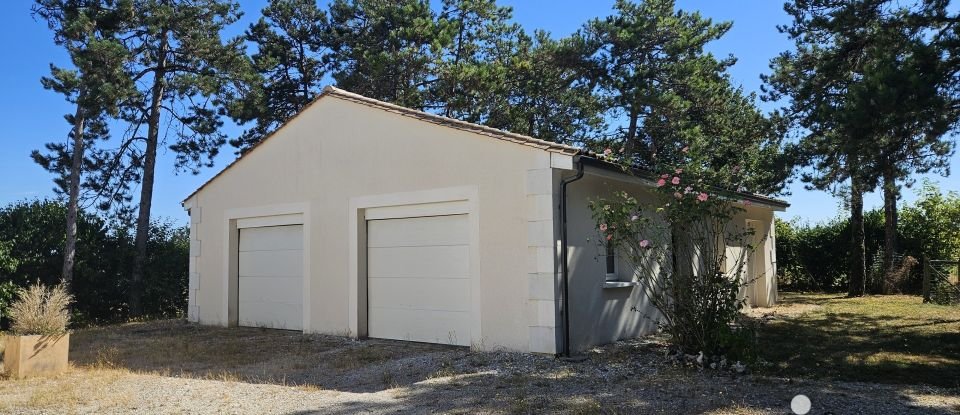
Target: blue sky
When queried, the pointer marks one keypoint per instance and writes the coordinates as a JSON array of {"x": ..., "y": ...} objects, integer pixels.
[{"x": 32, "y": 116}]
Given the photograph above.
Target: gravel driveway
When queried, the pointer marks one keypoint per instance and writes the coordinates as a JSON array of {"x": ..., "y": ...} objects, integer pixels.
[{"x": 175, "y": 367}]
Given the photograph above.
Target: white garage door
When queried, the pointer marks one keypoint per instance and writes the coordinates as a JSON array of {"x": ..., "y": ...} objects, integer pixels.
[
  {"x": 418, "y": 274},
  {"x": 270, "y": 286}
]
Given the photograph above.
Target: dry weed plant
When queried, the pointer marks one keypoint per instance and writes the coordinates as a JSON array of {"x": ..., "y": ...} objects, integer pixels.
[{"x": 40, "y": 310}]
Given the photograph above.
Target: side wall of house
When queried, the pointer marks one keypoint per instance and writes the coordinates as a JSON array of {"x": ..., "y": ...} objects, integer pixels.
[
  {"x": 602, "y": 313},
  {"x": 334, "y": 160},
  {"x": 761, "y": 267}
]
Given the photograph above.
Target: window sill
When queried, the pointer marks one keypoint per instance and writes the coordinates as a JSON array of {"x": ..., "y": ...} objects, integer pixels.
[{"x": 620, "y": 284}]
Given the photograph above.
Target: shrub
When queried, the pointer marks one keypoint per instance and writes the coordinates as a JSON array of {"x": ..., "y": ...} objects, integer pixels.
[
  {"x": 39, "y": 310},
  {"x": 31, "y": 245},
  {"x": 815, "y": 256},
  {"x": 8, "y": 292},
  {"x": 678, "y": 249}
]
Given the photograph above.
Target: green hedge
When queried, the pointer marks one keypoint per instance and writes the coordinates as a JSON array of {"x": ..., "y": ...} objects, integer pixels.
[
  {"x": 31, "y": 249},
  {"x": 816, "y": 256}
]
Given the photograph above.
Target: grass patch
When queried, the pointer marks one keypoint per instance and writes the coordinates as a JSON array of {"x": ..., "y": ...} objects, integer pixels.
[
  {"x": 64, "y": 393},
  {"x": 363, "y": 355},
  {"x": 885, "y": 339}
]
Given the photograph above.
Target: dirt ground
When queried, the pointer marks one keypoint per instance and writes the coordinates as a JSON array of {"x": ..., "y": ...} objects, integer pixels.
[{"x": 176, "y": 367}]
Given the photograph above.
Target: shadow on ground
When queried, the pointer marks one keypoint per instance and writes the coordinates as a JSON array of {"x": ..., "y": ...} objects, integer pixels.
[
  {"x": 894, "y": 340},
  {"x": 380, "y": 376}
]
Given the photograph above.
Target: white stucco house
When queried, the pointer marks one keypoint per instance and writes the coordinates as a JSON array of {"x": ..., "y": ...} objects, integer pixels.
[{"x": 365, "y": 219}]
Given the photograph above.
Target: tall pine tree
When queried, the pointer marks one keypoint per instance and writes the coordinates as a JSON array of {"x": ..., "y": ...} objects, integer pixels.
[
  {"x": 871, "y": 89},
  {"x": 96, "y": 86},
  {"x": 189, "y": 72}
]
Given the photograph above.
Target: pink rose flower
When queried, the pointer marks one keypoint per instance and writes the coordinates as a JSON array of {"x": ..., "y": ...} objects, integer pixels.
[
  {"x": 678, "y": 195},
  {"x": 661, "y": 182},
  {"x": 702, "y": 197},
  {"x": 664, "y": 176},
  {"x": 607, "y": 152},
  {"x": 603, "y": 227},
  {"x": 676, "y": 180},
  {"x": 644, "y": 243},
  {"x": 687, "y": 189},
  {"x": 679, "y": 171}
]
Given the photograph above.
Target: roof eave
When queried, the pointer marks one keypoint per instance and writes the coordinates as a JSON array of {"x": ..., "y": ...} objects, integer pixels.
[{"x": 649, "y": 177}]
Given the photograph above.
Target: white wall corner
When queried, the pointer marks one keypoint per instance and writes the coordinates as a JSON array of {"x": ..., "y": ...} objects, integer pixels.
[
  {"x": 541, "y": 292},
  {"x": 192, "y": 291},
  {"x": 540, "y": 233},
  {"x": 540, "y": 182},
  {"x": 540, "y": 286},
  {"x": 561, "y": 161},
  {"x": 539, "y": 207},
  {"x": 543, "y": 340},
  {"x": 194, "y": 247},
  {"x": 196, "y": 215}
]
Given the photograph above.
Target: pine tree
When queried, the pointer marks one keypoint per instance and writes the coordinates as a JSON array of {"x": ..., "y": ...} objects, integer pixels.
[
  {"x": 95, "y": 86},
  {"x": 190, "y": 73},
  {"x": 669, "y": 100},
  {"x": 382, "y": 49},
  {"x": 870, "y": 86},
  {"x": 289, "y": 59}
]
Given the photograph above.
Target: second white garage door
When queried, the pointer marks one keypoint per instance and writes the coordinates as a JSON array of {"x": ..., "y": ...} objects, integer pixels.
[
  {"x": 418, "y": 274},
  {"x": 270, "y": 286}
]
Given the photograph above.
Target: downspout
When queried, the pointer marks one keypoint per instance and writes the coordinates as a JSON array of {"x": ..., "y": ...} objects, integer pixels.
[{"x": 564, "y": 269}]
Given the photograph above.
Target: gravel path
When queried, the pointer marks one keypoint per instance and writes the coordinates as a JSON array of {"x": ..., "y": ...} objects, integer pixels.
[{"x": 121, "y": 371}]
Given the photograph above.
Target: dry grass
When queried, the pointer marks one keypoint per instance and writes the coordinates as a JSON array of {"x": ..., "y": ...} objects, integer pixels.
[
  {"x": 176, "y": 367},
  {"x": 65, "y": 393},
  {"x": 40, "y": 310}
]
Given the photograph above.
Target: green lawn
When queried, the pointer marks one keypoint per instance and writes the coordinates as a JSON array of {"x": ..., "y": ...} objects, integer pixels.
[{"x": 886, "y": 339}]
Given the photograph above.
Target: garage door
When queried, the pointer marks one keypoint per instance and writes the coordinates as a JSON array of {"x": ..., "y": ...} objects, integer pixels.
[
  {"x": 270, "y": 286},
  {"x": 418, "y": 274}
]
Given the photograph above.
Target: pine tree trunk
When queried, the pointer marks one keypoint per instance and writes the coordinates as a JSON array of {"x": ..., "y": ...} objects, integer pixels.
[
  {"x": 146, "y": 185},
  {"x": 631, "y": 147},
  {"x": 858, "y": 259},
  {"x": 76, "y": 163},
  {"x": 890, "y": 194}
]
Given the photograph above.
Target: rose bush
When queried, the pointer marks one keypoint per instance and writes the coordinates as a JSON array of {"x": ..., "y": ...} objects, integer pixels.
[{"x": 677, "y": 246}]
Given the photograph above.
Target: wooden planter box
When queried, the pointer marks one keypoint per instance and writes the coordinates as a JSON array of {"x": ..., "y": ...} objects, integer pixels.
[{"x": 28, "y": 356}]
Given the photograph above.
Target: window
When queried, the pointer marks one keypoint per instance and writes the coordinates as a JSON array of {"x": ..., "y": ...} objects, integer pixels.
[{"x": 611, "y": 262}]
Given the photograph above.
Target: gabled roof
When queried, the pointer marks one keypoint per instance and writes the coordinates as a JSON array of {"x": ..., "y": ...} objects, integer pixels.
[{"x": 331, "y": 91}]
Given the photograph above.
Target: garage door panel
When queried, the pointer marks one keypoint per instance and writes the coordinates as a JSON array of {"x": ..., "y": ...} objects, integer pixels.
[
  {"x": 272, "y": 289},
  {"x": 432, "y": 230},
  {"x": 451, "y": 261},
  {"x": 270, "y": 315},
  {"x": 270, "y": 280},
  {"x": 287, "y": 263},
  {"x": 421, "y": 325},
  {"x": 418, "y": 279},
  {"x": 420, "y": 293},
  {"x": 271, "y": 238}
]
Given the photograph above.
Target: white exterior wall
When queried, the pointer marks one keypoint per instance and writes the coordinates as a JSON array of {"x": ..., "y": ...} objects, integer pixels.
[
  {"x": 600, "y": 315},
  {"x": 763, "y": 290},
  {"x": 339, "y": 158}
]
